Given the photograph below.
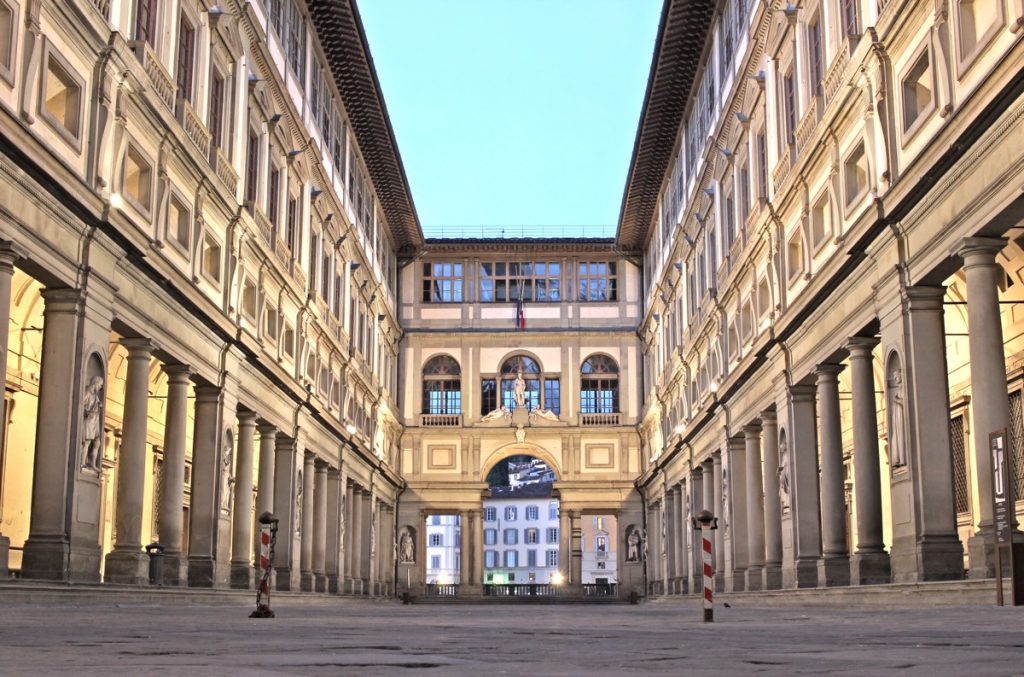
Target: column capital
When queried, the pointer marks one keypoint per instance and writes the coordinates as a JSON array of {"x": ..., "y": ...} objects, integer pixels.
[
  {"x": 61, "y": 300},
  {"x": 923, "y": 297},
  {"x": 309, "y": 457},
  {"x": 752, "y": 431},
  {"x": 321, "y": 466},
  {"x": 769, "y": 417},
  {"x": 138, "y": 348},
  {"x": 207, "y": 394},
  {"x": 827, "y": 371},
  {"x": 737, "y": 443},
  {"x": 861, "y": 346},
  {"x": 247, "y": 418},
  {"x": 177, "y": 373},
  {"x": 9, "y": 253},
  {"x": 333, "y": 473},
  {"x": 979, "y": 251},
  {"x": 802, "y": 393},
  {"x": 266, "y": 429}
]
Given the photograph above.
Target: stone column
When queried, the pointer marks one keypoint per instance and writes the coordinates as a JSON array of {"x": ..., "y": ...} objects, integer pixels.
[
  {"x": 926, "y": 545},
  {"x": 564, "y": 544},
  {"x": 577, "y": 547},
  {"x": 835, "y": 563},
  {"x": 870, "y": 562},
  {"x": 719, "y": 511},
  {"x": 665, "y": 548},
  {"x": 735, "y": 482},
  {"x": 7, "y": 258},
  {"x": 478, "y": 548},
  {"x": 48, "y": 549},
  {"x": 265, "y": 482},
  {"x": 332, "y": 556},
  {"x": 172, "y": 477},
  {"x": 284, "y": 510},
  {"x": 241, "y": 514},
  {"x": 680, "y": 538},
  {"x": 372, "y": 537},
  {"x": 127, "y": 563},
  {"x": 772, "y": 507},
  {"x": 306, "y": 542},
  {"x": 805, "y": 508},
  {"x": 465, "y": 570},
  {"x": 357, "y": 541},
  {"x": 203, "y": 508},
  {"x": 320, "y": 528},
  {"x": 990, "y": 404},
  {"x": 755, "y": 508},
  {"x": 347, "y": 540}
]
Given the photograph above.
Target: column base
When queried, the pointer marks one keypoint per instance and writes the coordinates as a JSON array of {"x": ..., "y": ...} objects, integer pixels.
[
  {"x": 870, "y": 568},
  {"x": 773, "y": 577},
  {"x": 684, "y": 586},
  {"x": 719, "y": 581},
  {"x": 283, "y": 579},
  {"x": 84, "y": 564},
  {"x": 127, "y": 567},
  {"x": 934, "y": 559},
  {"x": 834, "y": 572},
  {"x": 241, "y": 575},
  {"x": 981, "y": 553},
  {"x": 306, "y": 581},
  {"x": 320, "y": 582},
  {"x": 201, "y": 572},
  {"x": 332, "y": 584},
  {"x": 737, "y": 584},
  {"x": 175, "y": 569},
  {"x": 807, "y": 573},
  {"x": 755, "y": 578},
  {"x": 44, "y": 558}
]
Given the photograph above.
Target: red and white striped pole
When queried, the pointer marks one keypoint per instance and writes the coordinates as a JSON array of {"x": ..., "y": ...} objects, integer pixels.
[
  {"x": 268, "y": 537},
  {"x": 707, "y": 522},
  {"x": 265, "y": 556}
]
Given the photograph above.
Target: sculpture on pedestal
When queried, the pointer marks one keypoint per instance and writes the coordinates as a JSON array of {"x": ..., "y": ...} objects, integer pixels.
[
  {"x": 92, "y": 428},
  {"x": 633, "y": 546},
  {"x": 407, "y": 548},
  {"x": 897, "y": 418},
  {"x": 519, "y": 390},
  {"x": 783, "y": 473}
]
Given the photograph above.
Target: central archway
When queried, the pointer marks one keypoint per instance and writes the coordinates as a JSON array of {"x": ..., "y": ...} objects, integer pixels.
[{"x": 518, "y": 449}]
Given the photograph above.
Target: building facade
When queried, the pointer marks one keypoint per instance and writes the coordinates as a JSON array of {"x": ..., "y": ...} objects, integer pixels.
[
  {"x": 521, "y": 539},
  {"x": 219, "y": 303}
]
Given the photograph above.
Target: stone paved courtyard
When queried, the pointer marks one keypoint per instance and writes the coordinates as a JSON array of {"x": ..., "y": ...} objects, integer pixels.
[{"x": 374, "y": 638}]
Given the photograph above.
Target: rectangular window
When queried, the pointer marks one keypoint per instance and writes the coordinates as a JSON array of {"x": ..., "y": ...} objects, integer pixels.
[
  {"x": 145, "y": 21},
  {"x": 552, "y": 535},
  {"x": 442, "y": 282},
  {"x": 435, "y": 539},
  {"x": 503, "y": 282},
  {"x": 435, "y": 561},
  {"x": 552, "y": 558},
  {"x": 217, "y": 109},
  {"x": 252, "y": 167},
  {"x": 292, "y": 225},
  {"x": 296, "y": 43},
  {"x": 62, "y": 98},
  {"x": 762, "y": 166},
  {"x": 273, "y": 196},
  {"x": 488, "y": 396},
  {"x": 532, "y": 512},
  {"x": 270, "y": 324},
  {"x": 511, "y": 559},
  {"x": 211, "y": 258},
  {"x": 490, "y": 514},
  {"x": 552, "y": 395},
  {"x": 186, "y": 57},
  {"x": 532, "y": 536},
  {"x": 855, "y": 172},
  {"x": 789, "y": 106},
  {"x": 511, "y": 537},
  {"x": 597, "y": 281},
  {"x": 851, "y": 21},
  {"x": 531, "y": 558},
  {"x": 917, "y": 91},
  {"x": 814, "y": 52},
  {"x": 137, "y": 184},
  {"x": 490, "y": 536},
  {"x": 179, "y": 224},
  {"x": 510, "y": 512},
  {"x": 490, "y": 559},
  {"x": 553, "y": 510}
]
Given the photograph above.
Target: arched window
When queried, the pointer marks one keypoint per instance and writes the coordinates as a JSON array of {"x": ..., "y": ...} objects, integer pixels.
[
  {"x": 599, "y": 386},
  {"x": 531, "y": 374},
  {"x": 442, "y": 386}
]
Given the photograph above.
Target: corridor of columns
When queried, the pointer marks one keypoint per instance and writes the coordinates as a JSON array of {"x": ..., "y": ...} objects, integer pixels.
[{"x": 168, "y": 455}]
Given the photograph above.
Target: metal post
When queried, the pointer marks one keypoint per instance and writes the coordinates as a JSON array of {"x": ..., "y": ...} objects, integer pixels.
[
  {"x": 268, "y": 539},
  {"x": 707, "y": 523}
]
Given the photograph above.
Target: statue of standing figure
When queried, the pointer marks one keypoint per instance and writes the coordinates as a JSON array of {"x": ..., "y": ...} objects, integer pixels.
[
  {"x": 784, "y": 473},
  {"x": 519, "y": 390},
  {"x": 897, "y": 420},
  {"x": 226, "y": 478},
  {"x": 407, "y": 549},
  {"x": 92, "y": 428},
  {"x": 633, "y": 543}
]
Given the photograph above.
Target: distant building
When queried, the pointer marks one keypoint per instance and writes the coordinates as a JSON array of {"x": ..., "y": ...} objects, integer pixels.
[
  {"x": 444, "y": 543},
  {"x": 599, "y": 552},
  {"x": 520, "y": 533}
]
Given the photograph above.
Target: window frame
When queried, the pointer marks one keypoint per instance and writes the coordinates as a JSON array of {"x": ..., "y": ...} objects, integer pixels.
[
  {"x": 72, "y": 137},
  {"x": 141, "y": 155},
  {"x": 7, "y": 69},
  {"x": 907, "y": 132}
]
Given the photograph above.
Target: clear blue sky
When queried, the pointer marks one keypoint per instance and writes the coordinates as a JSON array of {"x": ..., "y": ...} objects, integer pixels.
[{"x": 514, "y": 112}]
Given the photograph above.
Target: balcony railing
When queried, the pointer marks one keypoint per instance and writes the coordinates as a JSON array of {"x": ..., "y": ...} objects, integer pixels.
[
  {"x": 781, "y": 170},
  {"x": 300, "y": 276},
  {"x": 163, "y": 83},
  {"x": 225, "y": 172},
  {"x": 599, "y": 590},
  {"x": 601, "y": 419},
  {"x": 442, "y": 590},
  {"x": 808, "y": 124},
  {"x": 193, "y": 126},
  {"x": 834, "y": 77},
  {"x": 283, "y": 253},
  {"x": 520, "y": 590},
  {"x": 103, "y": 7},
  {"x": 440, "y": 420},
  {"x": 263, "y": 223}
]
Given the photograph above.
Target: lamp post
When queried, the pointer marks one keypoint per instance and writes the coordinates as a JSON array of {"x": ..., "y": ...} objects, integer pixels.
[{"x": 268, "y": 539}]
